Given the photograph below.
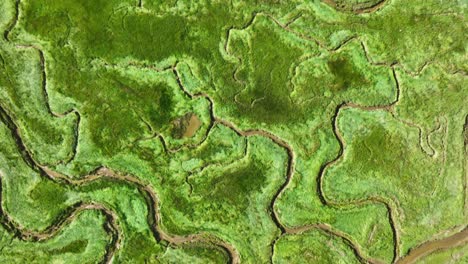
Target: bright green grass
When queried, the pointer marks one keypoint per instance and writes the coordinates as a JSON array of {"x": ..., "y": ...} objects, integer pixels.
[{"x": 279, "y": 66}]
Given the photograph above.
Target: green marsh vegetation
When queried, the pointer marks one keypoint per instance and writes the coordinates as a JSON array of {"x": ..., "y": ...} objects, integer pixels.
[{"x": 213, "y": 131}]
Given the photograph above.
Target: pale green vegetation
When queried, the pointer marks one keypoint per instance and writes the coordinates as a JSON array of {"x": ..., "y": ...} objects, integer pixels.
[{"x": 330, "y": 131}]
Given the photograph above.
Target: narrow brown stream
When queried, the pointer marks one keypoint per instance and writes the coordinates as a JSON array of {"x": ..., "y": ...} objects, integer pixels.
[
  {"x": 154, "y": 218},
  {"x": 429, "y": 247},
  {"x": 360, "y": 10}
]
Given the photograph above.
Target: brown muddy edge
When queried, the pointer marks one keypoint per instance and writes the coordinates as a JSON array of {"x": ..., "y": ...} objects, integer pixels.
[
  {"x": 359, "y": 10},
  {"x": 432, "y": 246},
  {"x": 178, "y": 240},
  {"x": 146, "y": 190}
]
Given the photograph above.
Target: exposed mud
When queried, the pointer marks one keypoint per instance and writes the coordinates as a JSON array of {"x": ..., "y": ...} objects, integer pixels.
[
  {"x": 185, "y": 126},
  {"x": 193, "y": 126},
  {"x": 357, "y": 8},
  {"x": 455, "y": 240}
]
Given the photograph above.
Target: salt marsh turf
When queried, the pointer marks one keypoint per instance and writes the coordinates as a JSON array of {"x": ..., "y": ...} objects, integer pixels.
[{"x": 233, "y": 131}]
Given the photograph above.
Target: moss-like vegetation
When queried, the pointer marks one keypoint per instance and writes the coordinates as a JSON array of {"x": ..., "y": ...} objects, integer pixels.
[
  {"x": 404, "y": 156},
  {"x": 313, "y": 247},
  {"x": 197, "y": 255},
  {"x": 83, "y": 241},
  {"x": 260, "y": 131}
]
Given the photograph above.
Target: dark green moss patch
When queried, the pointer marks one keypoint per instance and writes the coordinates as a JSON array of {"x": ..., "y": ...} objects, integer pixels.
[
  {"x": 345, "y": 73},
  {"x": 77, "y": 246},
  {"x": 236, "y": 186}
]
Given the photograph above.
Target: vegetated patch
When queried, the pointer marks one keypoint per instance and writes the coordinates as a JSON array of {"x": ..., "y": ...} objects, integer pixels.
[
  {"x": 49, "y": 195},
  {"x": 346, "y": 74},
  {"x": 235, "y": 187},
  {"x": 269, "y": 81},
  {"x": 314, "y": 247},
  {"x": 197, "y": 254},
  {"x": 266, "y": 69},
  {"x": 77, "y": 246}
]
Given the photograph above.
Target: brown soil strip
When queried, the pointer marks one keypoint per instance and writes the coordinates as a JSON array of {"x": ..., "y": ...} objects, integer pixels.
[
  {"x": 429, "y": 247},
  {"x": 359, "y": 10},
  {"x": 331, "y": 3},
  {"x": 371, "y": 9}
]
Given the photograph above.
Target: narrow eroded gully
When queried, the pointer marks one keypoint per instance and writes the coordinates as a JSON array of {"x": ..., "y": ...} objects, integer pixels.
[
  {"x": 154, "y": 217},
  {"x": 149, "y": 195},
  {"x": 285, "y": 230},
  {"x": 428, "y": 247},
  {"x": 359, "y": 10}
]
